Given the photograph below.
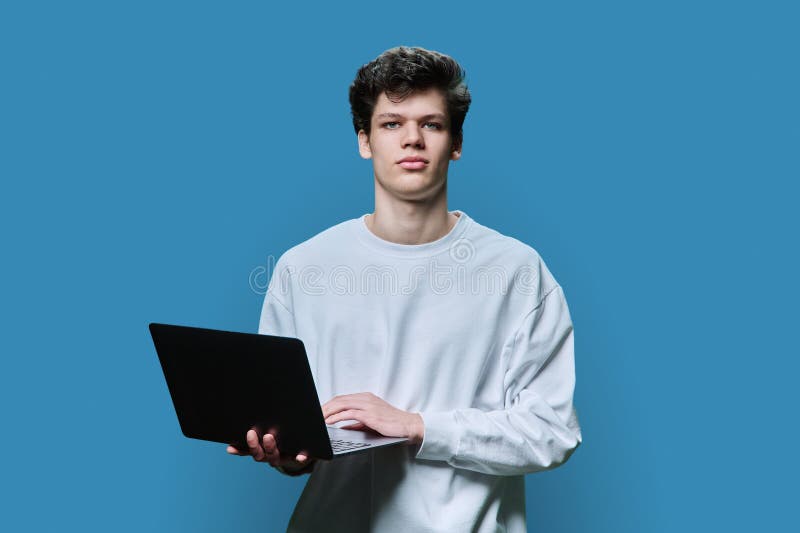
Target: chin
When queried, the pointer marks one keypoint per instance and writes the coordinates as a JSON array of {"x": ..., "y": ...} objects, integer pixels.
[
  {"x": 412, "y": 186},
  {"x": 415, "y": 194}
]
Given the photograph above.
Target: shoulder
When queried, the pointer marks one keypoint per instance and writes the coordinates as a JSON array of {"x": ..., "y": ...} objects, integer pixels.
[
  {"x": 492, "y": 243},
  {"x": 320, "y": 248},
  {"x": 519, "y": 262}
]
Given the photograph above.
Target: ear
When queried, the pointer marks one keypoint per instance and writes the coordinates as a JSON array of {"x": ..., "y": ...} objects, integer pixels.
[
  {"x": 363, "y": 145},
  {"x": 455, "y": 151}
]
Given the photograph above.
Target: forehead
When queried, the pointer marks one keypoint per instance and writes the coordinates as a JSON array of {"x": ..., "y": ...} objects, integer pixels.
[{"x": 417, "y": 104}]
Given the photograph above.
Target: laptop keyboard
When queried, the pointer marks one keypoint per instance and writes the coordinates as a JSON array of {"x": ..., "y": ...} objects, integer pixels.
[{"x": 346, "y": 445}]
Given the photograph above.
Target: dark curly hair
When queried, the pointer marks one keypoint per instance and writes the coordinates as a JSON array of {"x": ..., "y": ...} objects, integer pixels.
[{"x": 400, "y": 71}]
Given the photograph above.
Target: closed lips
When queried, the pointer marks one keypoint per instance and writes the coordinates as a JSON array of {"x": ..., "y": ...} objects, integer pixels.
[{"x": 413, "y": 163}]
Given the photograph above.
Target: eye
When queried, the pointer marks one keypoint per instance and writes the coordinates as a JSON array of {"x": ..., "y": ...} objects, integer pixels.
[
  {"x": 391, "y": 125},
  {"x": 433, "y": 125}
]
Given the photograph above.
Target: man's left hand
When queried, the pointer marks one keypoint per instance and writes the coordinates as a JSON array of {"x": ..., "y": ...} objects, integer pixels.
[{"x": 376, "y": 414}]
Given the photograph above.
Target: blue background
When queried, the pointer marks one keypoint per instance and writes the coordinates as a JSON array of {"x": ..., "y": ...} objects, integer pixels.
[{"x": 153, "y": 154}]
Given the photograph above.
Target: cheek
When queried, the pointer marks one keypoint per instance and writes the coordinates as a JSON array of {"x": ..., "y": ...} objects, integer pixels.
[{"x": 380, "y": 154}]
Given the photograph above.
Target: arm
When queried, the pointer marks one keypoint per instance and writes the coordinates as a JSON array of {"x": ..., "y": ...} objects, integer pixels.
[
  {"x": 276, "y": 319},
  {"x": 538, "y": 428}
]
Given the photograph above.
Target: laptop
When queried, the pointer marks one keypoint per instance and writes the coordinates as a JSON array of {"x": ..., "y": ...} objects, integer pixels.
[{"x": 224, "y": 383}]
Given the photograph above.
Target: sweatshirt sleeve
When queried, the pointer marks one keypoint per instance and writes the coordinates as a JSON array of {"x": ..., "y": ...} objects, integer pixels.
[
  {"x": 538, "y": 428},
  {"x": 277, "y": 317}
]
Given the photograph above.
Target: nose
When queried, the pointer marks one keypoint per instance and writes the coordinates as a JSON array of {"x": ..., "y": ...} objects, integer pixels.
[{"x": 413, "y": 136}]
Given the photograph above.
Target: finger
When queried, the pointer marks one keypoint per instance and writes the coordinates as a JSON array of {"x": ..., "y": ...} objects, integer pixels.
[
  {"x": 270, "y": 444},
  {"x": 356, "y": 426},
  {"x": 329, "y": 407},
  {"x": 255, "y": 448},
  {"x": 272, "y": 455},
  {"x": 340, "y": 403},
  {"x": 350, "y": 414},
  {"x": 302, "y": 457},
  {"x": 235, "y": 451}
]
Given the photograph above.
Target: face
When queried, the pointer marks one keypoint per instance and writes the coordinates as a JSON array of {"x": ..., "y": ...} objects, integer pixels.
[{"x": 410, "y": 145}]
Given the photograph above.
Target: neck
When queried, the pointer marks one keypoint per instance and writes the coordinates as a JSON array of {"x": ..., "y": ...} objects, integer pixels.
[{"x": 411, "y": 222}]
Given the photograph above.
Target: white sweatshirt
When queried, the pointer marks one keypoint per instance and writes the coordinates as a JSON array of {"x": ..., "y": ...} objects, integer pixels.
[{"x": 472, "y": 332}]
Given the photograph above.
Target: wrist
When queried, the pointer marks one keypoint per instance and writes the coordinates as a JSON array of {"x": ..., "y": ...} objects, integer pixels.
[{"x": 416, "y": 432}]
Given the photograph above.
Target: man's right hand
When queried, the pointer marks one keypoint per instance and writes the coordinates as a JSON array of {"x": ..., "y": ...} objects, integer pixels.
[{"x": 266, "y": 451}]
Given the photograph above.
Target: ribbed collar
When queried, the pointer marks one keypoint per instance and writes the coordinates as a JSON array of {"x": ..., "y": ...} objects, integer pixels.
[{"x": 410, "y": 251}]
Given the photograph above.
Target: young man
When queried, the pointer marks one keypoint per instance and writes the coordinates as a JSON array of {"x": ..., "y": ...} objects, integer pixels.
[{"x": 419, "y": 322}]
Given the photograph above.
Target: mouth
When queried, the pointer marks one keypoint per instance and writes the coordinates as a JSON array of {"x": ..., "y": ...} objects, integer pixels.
[{"x": 413, "y": 163}]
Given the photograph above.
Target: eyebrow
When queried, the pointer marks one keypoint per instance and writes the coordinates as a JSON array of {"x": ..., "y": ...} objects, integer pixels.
[{"x": 439, "y": 116}]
